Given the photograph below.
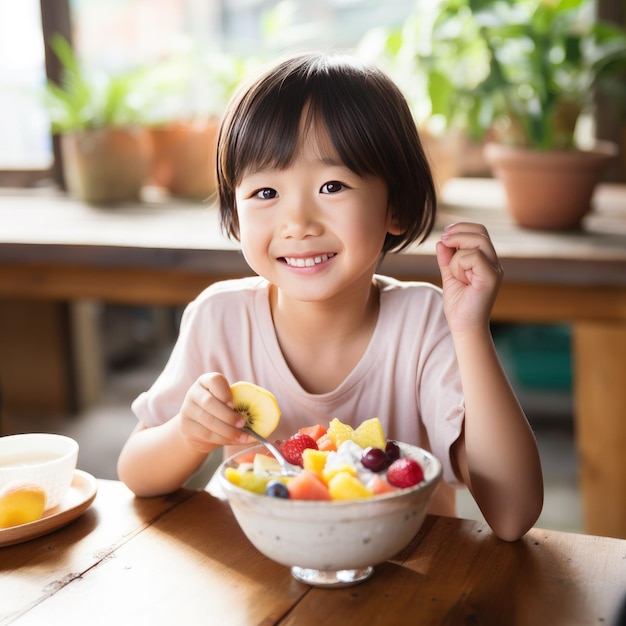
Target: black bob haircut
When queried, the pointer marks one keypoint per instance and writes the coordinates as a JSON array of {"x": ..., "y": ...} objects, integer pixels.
[{"x": 366, "y": 117}]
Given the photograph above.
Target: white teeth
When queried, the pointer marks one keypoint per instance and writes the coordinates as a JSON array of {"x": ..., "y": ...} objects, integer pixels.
[{"x": 308, "y": 262}]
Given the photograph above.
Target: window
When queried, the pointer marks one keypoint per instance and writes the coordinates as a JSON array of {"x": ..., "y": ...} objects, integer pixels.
[{"x": 24, "y": 136}]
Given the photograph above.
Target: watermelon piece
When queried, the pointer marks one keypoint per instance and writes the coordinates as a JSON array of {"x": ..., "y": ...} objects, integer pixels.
[
  {"x": 379, "y": 485},
  {"x": 315, "y": 431},
  {"x": 307, "y": 486},
  {"x": 247, "y": 456}
]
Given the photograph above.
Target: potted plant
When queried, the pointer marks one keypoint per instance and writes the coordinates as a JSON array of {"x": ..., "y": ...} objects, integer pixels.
[
  {"x": 408, "y": 54},
  {"x": 104, "y": 145},
  {"x": 523, "y": 72},
  {"x": 193, "y": 90}
]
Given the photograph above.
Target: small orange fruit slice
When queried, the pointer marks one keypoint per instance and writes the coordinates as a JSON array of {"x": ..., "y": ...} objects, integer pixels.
[{"x": 21, "y": 503}]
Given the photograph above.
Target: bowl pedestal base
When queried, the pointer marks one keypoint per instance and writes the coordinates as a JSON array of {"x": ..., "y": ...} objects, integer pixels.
[{"x": 330, "y": 578}]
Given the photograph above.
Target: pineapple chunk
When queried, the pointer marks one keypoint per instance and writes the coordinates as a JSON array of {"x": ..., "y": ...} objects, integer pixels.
[
  {"x": 370, "y": 433},
  {"x": 339, "y": 432},
  {"x": 233, "y": 475},
  {"x": 345, "y": 486},
  {"x": 314, "y": 460},
  {"x": 330, "y": 472}
]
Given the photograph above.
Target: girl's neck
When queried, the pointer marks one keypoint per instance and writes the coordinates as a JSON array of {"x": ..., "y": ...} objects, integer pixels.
[
  {"x": 322, "y": 342},
  {"x": 323, "y": 320}
]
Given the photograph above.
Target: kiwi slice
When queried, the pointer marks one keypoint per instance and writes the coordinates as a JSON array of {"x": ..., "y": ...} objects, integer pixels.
[{"x": 257, "y": 405}]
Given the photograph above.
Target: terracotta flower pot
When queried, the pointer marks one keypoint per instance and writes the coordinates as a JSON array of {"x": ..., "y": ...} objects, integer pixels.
[
  {"x": 444, "y": 154},
  {"x": 184, "y": 157},
  {"x": 549, "y": 190},
  {"x": 107, "y": 165}
]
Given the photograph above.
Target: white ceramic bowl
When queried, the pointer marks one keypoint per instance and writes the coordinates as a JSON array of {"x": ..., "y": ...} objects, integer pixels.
[
  {"x": 333, "y": 543},
  {"x": 45, "y": 459}
]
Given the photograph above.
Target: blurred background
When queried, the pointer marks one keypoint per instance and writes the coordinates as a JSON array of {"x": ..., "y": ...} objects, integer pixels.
[{"x": 168, "y": 67}]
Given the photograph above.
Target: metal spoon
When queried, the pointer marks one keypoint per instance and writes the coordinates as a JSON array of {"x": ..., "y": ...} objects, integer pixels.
[{"x": 286, "y": 468}]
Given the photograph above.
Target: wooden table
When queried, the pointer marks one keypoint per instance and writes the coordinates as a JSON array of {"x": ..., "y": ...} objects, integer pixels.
[
  {"x": 54, "y": 249},
  {"x": 183, "y": 560}
]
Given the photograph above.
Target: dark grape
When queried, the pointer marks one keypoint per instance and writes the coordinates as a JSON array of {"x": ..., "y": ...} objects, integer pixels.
[
  {"x": 393, "y": 451},
  {"x": 276, "y": 489},
  {"x": 374, "y": 459}
]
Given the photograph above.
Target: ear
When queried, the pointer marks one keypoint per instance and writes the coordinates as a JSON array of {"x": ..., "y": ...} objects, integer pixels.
[{"x": 393, "y": 224}]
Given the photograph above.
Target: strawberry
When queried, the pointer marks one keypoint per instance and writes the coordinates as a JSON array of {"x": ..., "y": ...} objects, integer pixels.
[
  {"x": 293, "y": 447},
  {"x": 405, "y": 472}
]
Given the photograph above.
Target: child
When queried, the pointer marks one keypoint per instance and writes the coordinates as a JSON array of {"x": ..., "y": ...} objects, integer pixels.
[{"x": 320, "y": 173}]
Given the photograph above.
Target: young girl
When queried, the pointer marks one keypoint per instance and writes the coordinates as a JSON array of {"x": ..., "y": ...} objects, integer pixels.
[{"x": 320, "y": 173}]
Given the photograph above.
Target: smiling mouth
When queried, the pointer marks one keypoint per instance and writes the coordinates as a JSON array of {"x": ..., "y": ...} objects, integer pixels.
[{"x": 307, "y": 261}]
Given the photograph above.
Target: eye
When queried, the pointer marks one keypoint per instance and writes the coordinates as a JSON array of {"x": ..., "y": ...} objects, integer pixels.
[
  {"x": 267, "y": 193},
  {"x": 332, "y": 186}
]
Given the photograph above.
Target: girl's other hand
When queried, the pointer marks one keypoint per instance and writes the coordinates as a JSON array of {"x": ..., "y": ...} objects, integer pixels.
[
  {"x": 207, "y": 418},
  {"x": 471, "y": 275}
]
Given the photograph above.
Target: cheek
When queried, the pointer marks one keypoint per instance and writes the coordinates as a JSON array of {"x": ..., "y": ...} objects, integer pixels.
[
  {"x": 367, "y": 226},
  {"x": 254, "y": 235},
  {"x": 246, "y": 222}
]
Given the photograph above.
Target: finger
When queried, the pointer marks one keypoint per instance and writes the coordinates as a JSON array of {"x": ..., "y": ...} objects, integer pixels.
[
  {"x": 205, "y": 439},
  {"x": 217, "y": 384},
  {"x": 475, "y": 237},
  {"x": 471, "y": 265},
  {"x": 467, "y": 238},
  {"x": 217, "y": 418},
  {"x": 457, "y": 227},
  {"x": 444, "y": 255},
  {"x": 201, "y": 408},
  {"x": 219, "y": 399}
]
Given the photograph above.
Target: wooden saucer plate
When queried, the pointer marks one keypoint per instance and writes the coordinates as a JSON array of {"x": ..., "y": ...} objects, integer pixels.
[{"x": 77, "y": 500}]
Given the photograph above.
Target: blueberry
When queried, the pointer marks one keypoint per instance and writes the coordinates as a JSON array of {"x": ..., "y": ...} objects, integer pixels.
[{"x": 276, "y": 489}]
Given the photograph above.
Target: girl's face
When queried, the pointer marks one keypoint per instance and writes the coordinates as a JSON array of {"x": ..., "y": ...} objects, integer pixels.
[{"x": 314, "y": 229}]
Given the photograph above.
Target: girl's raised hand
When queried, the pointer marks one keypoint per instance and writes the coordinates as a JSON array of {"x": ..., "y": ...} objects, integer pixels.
[
  {"x": 207, "y": 418},
  {"x": 471, "y": 275}
]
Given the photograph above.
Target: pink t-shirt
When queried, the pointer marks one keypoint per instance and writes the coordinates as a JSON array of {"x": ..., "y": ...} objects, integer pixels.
[{"x": 408, "y": 376}]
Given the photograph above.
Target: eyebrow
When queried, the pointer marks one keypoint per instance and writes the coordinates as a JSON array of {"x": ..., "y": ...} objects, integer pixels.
[
  {"x": 329, "y": 160},
  {"x": 332, "y": 161}
]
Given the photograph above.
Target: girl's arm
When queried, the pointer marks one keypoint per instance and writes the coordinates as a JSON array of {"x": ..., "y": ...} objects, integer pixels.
[
  {"x": 497, "y": 454},
  {"x": 158, "y": 460}
]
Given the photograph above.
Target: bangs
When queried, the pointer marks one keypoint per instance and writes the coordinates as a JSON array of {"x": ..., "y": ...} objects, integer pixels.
[
  {"x": 274, "y": 121},
  {"x": 268, "y": 138}
]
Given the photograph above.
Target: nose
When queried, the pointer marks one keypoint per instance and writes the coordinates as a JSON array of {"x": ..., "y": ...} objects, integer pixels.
[{"x": 300, "y": 218}]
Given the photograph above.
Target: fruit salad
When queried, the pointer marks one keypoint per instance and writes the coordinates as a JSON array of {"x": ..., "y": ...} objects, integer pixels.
[{"x": 338, "y": 463}]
